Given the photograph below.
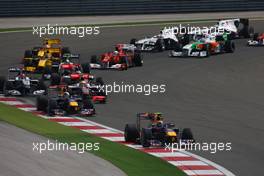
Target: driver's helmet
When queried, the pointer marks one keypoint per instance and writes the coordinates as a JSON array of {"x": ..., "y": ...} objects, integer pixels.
[
  {"x": 198, "y": 37},
  {"x": 159, "y": 124},
  {"x": 66, "y": 94},
  {"x": 115, "y": 53}
]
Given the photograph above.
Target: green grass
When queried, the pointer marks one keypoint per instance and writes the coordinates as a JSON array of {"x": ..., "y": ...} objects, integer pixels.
[{"x": 131, "y": 161}]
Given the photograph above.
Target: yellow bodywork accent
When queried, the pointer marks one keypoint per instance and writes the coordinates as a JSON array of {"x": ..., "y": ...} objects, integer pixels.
[
  {"x": 53, "y": 50},
  {"x": 171, "y": 133},
  {"x": 52, "y": 41},
  {"x": 30, "y": 69},
  {"x": 41, "y": 53},
  {"x": 42, "y": 63},
  {"x": 73, "y": 103}
]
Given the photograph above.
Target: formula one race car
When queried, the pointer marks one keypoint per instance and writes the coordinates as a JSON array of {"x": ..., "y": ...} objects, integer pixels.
[
  {"x": 204, "y": 46},
  {"x": 156, "y": 133},
  {"x": 71, "y": 72},
  {"x": 257, "y": 40},
  {"x": 163, "y": 41},
  {"x": 75, "y": 74},
  {"x": 65, "y": 100},
  {"x": 125, "y": 56},
  {"x": 238, "y": 28},
  {"x": 20, "y": 83},
  {"x": 45, "y": 59}
]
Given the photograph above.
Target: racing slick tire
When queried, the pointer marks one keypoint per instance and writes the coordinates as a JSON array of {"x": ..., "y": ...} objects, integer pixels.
[
  {"x": 87, "y": 103},
  {"x": 145, "y": 137},
  {"x": 160, "y": 45},
  {"x": 255, "y": 36},
  {"x": 42, "y": 103},
  {"x": 52, "y": 104},
  {"x": 55, "y": 79},
  {"x": 93, "y": 59},
  {"x": 65, "y": 50},
  {"x": 28, "y": 54},
  {"x": 229, "y": 46},
  {"x": 99, "y": 81},
  {"x": 187, "y": 134},
  {"x": 131, "y": 133},
  {"x": 42, "y": 86},
  {"x": 138, "y": 60},
  {"x": 177, "y": 47},
  {"x": 251, "y": 32},
  {"x": 8, "y": 86},
  {"x": 46, "y": 71},
  {"x": 2, "y": 83},
  {"x": 133, "y": 41},
  {"x": 86, "y": 68}
]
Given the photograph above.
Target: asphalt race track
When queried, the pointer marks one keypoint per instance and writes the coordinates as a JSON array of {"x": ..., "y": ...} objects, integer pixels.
[
  {"x": 219, "y": 97},
  {"x": 19, "y": 158}
]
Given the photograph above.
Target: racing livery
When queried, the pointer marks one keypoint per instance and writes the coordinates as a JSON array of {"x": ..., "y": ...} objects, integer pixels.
[
  {"x": 65, "y": 100},
  {"x": 156, "y": 133},
  {"x": 125, "y": 56},
  {"x": 20, "y": 83},
  {"x": 204, "y": 46},
  {"x": 163, "y": 41}
]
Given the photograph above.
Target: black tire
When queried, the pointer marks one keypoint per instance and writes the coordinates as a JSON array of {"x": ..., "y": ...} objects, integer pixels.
[
  {"x": 86, "y": 68},
  {"x": 42, "y": 86},
  {"x": 160, "y": 45},
  {"x": 133, "y": 41},
  {"x": 99, "y": 81},
  {"x": 177, "y": 47},
  {"x": 35, "y": 51},
  {"x": 93, "y": 59},
  {"x": 131, "y": 133},
  {"x": 2, "y": 83},
  {"x": 46, "y": 71},
  {"x": 232, "y": 36},
  {"x": 255, "y": 36},
  {"x": 145, "y": 137},
  {"x": 138, "y": 60},
  {"x": 65, "y": 50},
  {"x": 28, "y": 54},
  {"x": 251, "y": 32},
  {"x": 229, "y": 46},
  {"x": 55, "y": 79},
  {"x": 42, "y": 103},
  {"x": 187, "y": 134},
  {"x": 87, "y": 103},
  {"x": 8, "y": 86},
  {"x": 52, "y": 104}
]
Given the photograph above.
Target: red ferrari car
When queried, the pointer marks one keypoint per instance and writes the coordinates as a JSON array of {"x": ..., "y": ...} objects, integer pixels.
[{"x": 125, "y": 56}]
